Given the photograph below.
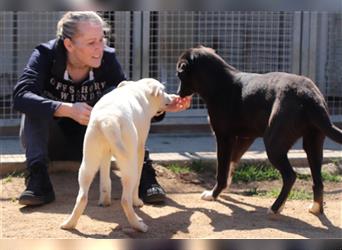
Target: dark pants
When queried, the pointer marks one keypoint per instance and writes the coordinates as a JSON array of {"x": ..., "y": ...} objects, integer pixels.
[
  {"x": 58, "y": 139},
  {"x": 54, "y": 139}
]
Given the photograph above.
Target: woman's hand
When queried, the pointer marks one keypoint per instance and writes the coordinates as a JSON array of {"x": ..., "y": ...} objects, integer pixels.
[
  {"x": 179, "y": 104},
  {"x": 79, "y": 111}
]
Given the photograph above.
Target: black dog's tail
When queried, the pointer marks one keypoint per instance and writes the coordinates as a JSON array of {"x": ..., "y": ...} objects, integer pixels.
[
  {"x": 334, "y": 133},
  {"x": 321, "y": 120}
]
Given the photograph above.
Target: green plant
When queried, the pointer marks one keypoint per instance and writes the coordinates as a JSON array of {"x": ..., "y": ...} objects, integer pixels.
[
  {"x": 325, "y": 176},
  {"x": 195, "y": 166},
  {"x": 295, "y": 194},
  {"x": 10, "y": 176},
  {"x": 255, "y": 172},
  {"x": 199, "y": 166},
  {"x": 330, "y": 177},
  {"x": 176, "y": 168}
]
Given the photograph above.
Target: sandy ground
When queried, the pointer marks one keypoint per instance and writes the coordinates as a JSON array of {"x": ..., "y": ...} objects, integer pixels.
[{"x": 183, "y": 216}]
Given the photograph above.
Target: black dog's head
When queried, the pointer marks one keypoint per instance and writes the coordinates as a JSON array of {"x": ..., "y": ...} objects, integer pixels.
[
  {"x": 188, "y": 70},
  {"x": 183, "y": 72}
]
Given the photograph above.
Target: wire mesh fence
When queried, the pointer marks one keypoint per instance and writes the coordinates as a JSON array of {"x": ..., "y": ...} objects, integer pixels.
[
  {"x": 253, "y": 42},
  {"x": 149, "y": 43}
]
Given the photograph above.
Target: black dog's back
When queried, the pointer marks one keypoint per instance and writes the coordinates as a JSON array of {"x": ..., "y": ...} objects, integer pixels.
[
  {"x": 250, "y": 101},
  {"x": 266, "y": 96}
]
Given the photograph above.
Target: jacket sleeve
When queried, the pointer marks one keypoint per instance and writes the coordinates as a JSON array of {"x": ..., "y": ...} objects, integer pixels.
[
  {"x": 114, "y": 71},
  {"x": 28, "y": 92}
]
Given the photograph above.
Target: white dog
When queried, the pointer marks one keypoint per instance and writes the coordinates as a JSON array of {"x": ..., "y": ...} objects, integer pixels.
[{"x": 119, "y": 126}]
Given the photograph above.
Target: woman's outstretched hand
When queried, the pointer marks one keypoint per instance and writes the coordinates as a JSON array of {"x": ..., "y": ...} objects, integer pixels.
[{"x": 179, "y": 104}]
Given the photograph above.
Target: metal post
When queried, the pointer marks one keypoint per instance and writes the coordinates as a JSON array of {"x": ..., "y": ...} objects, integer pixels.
[
  {"x": 296, "y": 50},
  {"x": 305, "y": 44},
  {"x": 322, "y": 52},
  {"x": 145, "y": 62},
  {"x": 137, "y": 36},
  {"x": 313, "y": 45}
]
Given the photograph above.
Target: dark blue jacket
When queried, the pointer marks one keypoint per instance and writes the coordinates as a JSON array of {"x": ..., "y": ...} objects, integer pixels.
[{"x": 42, "y": 86}]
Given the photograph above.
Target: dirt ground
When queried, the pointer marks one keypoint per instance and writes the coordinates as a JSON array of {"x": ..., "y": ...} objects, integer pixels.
[{"x": 183, "y": 216}]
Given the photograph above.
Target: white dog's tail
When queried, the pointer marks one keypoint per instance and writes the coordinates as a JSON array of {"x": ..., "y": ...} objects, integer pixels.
[{"x": 112, "y": 132}]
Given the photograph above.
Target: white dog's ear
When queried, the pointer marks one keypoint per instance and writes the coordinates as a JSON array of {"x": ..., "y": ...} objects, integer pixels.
[
  {"x": 156, "y": 90},
  {"x": 123, "y": 83},
  {"x": 155, "y": 87}
]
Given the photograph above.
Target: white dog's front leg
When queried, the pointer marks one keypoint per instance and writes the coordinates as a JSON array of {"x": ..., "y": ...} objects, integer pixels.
[
  {"x": 105, "y": 182},
  {"x": 137, "y": 202}
]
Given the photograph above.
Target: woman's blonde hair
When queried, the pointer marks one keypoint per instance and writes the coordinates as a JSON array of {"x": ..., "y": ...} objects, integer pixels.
[{"x": 68, "y": 24}]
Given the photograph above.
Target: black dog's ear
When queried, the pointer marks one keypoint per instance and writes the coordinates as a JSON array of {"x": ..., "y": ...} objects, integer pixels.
[{"x": 182, "y": 64}]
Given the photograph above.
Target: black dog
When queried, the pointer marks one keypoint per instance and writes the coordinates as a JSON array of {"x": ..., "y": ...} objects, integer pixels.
[{"x": 279, "y": 107}]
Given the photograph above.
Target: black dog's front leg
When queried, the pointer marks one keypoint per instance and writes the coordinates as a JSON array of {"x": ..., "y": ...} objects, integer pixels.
[{"x": 224, "y": 152}]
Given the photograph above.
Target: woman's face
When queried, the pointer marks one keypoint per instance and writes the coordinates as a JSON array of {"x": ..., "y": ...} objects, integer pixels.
[{"x": 86, "y": 47}]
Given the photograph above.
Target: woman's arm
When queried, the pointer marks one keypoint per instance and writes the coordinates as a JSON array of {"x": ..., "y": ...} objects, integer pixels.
[
  {"x": 78, "y": 111},
  {"x": 28, "y": 92}
]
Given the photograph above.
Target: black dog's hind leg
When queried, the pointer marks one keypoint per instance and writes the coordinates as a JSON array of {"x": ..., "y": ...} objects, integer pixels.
[
  {"x": 313, "y": 145},
  {"x": 278, "y": 140},
  {"x": 225, "y": 146},
  {"x": 241, "y": 146}
]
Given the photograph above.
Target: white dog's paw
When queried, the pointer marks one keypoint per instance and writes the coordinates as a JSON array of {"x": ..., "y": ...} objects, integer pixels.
[
  {"x": 207, "y": 195},
  {"x": 141, "y": 226},
  {"x": 138, "y": 202},
  {"x": 67, "y": 225},
  {"x": 315, "y": 208},
  {"x": 104, "y": 200},
  {"x": 104, "y": 203}
]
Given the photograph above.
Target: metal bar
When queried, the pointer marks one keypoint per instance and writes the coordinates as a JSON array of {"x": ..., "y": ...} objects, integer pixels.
[
  {"x": 296, "y": 48},
  {"x": 145, "y": 65},
  {"x": 322, "y": 52},
  {"x": 313, "y": 45},
  {"x": 137, "y": 34},
  {"x": 305, "y": 44}
]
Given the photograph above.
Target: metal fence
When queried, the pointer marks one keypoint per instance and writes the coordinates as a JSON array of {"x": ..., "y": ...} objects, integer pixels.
[
  {"x": 253, "y": 42},
  {"x": 149, "y": 43}
]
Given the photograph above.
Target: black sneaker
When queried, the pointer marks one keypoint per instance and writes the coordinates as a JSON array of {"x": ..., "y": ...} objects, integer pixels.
[
  {"x": 39, "y": 189},
  {"x": 149, "y": 190}
]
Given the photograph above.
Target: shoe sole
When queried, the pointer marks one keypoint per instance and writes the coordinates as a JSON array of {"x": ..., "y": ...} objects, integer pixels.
[
  {"x": 155, "y": 199},
  {"x": 34, "y": 201}
]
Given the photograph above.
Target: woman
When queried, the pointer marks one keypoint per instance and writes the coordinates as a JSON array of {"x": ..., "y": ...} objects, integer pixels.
[{"x": 63, "y": 79}]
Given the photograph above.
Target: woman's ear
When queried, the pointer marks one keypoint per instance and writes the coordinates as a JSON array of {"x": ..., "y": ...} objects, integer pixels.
[{"x": 68, "y": 44}]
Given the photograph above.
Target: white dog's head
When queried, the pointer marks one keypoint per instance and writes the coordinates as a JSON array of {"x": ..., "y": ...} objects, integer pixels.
[{"x": 156, "y": 92}]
